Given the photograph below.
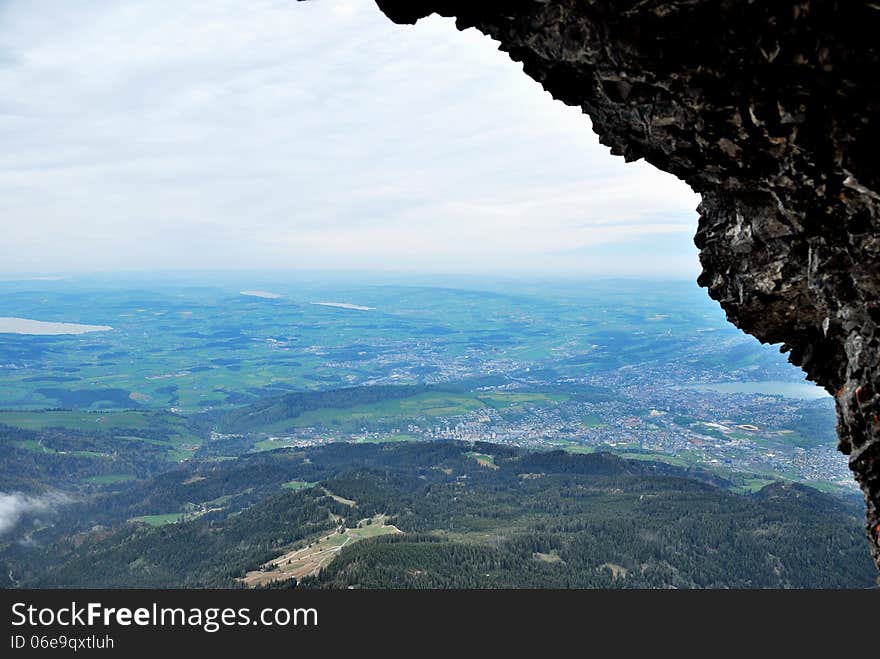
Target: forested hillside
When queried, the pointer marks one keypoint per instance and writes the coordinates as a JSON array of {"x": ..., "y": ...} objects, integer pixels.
[{"x": 470, "y": 515}]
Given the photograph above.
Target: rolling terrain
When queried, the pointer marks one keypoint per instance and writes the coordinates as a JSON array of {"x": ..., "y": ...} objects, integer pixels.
[{"x": 462, "y": 516}]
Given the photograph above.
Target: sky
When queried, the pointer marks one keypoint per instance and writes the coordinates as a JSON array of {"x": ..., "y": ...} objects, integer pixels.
[{"x": 273, "y": 134}]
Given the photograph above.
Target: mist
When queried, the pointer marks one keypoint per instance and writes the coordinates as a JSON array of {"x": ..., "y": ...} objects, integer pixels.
[{"x": 16, "y": 505}]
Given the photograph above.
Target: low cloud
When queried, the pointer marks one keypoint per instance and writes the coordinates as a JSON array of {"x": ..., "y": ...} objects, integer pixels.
[{"x": 15, "y": 505}]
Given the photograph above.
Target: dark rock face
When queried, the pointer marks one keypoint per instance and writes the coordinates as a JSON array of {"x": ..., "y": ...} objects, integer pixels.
[{"x": 771, "y": 111}]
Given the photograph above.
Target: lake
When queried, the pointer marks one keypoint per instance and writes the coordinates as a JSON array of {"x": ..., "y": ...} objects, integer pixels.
[
  {"x": 12, "y": 325},
  {"x": 803, "y": 390}
]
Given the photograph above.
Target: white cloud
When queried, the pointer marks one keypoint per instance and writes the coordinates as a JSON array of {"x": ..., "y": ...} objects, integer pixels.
[
  {"x": 16, "y": 505},
  {"x": 269, "y": 133}
]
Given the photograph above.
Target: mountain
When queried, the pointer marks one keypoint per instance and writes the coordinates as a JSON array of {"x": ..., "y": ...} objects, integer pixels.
[{"x": 445, "y": 515}]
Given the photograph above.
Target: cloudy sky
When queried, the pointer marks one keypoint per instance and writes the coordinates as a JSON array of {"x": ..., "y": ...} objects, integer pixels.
[{"x": 154, "y": 134}]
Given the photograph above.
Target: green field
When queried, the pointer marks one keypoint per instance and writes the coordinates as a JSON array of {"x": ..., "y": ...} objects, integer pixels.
[
  {"x": 502, "y": 400},
  {"x": 394, "y": 437},
  {"x": 160, "y": 520},
  {"x": 110, "y": 479},
  {"x": 271, "y": 444},
  {"x": 76, "y": 420},
  {"x": 374, "y": 529},
  {"x": 575, "y": 448},
  {"x": 430, "y": 405},
  {"x": 298, "y": 485}
]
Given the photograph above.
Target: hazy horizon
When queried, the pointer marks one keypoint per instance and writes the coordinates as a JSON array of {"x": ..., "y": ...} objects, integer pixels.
[
  {"x": 363, "y": 277},
  {"x": 234, "y": 135}
]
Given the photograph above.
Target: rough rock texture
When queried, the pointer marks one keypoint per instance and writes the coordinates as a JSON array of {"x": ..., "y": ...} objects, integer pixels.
[{"x": 770, "y": 111}]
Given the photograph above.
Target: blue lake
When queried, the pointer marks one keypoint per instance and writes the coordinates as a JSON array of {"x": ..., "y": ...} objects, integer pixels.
[{"x": 803, "y": 390}]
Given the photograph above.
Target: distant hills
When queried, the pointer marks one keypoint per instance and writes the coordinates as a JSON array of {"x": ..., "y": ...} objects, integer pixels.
[{"x": 274, "y": 410}]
